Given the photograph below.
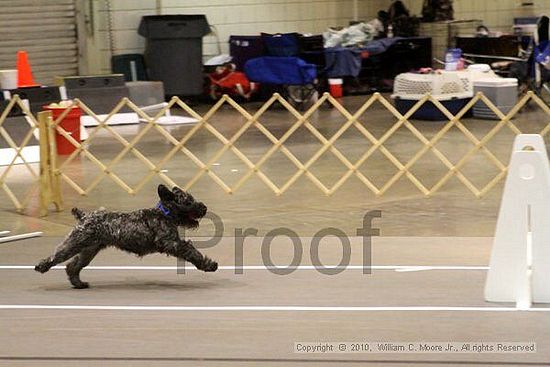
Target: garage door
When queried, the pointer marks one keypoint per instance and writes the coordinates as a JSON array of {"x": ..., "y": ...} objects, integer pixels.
[{"x": 46, "y": 29}]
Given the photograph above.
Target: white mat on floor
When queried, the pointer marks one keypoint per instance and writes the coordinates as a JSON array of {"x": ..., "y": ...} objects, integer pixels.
[
  {"x": 133, "y": 118},
  {"x": 174, "y": 120},
  {"x": 30, "y": 153},
  {"x": 116, "y": 119}
]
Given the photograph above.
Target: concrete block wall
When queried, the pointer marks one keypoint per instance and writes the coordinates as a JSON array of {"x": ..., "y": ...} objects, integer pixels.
[
  {"x": 247, "y": 17},
  {"x": 229, "y": 17},
  {"x": 369, "y": 9},
  {"x": 498, "y": 15}
]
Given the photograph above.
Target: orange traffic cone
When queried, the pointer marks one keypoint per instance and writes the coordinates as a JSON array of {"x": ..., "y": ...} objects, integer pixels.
[{"x": 24, "y": 73}]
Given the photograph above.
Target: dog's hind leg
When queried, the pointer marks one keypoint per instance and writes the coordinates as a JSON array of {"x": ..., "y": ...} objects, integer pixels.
[
  {"x": 77, "y": 263},
  {"x": 75, "y": 242}
]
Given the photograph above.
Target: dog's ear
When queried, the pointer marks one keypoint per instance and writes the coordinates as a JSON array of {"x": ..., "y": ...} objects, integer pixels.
[
  {"x": 165, "y": 194},
  {"x": 177, "y": 190}
]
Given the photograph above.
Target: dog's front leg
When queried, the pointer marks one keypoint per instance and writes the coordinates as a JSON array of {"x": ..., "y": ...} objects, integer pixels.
[{"x": 184, "y": 249}]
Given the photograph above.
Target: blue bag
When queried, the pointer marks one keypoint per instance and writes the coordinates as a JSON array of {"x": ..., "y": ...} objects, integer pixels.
[{"x": 281, "y": 44}]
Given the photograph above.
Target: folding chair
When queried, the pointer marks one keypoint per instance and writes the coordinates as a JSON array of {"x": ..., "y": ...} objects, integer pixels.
[
  {"x": 297, "y": 80},
  {"x": 541, "y": 59}
]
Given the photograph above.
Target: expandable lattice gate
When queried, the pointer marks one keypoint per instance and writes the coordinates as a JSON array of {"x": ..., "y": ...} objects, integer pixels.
[{"x": 52, "y": 173}]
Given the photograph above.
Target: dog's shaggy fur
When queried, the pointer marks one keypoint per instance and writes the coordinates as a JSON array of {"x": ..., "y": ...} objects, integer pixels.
[{"x": 141, "y": 232}]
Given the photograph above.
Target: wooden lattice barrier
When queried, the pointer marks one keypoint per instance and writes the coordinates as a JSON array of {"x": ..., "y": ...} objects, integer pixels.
[
  {"x": 52, "y": 173},
  {"x": 20, "y": 203}
]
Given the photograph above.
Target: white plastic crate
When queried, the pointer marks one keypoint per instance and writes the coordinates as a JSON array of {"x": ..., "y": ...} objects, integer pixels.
[
  {"x": 442, "y": 86},
  {"x": 453, "y": 89}
]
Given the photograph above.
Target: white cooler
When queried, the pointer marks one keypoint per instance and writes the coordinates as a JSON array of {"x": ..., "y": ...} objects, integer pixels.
[{"x": 502, "y": 92}]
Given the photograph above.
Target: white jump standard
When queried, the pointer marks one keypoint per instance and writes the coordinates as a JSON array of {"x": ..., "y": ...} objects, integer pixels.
[{"x": 520, "y": 260}]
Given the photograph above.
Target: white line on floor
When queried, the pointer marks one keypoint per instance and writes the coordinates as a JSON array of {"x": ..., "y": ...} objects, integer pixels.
[
  {"x": 271, "y": 308},
  {"x": 400, "y": 268},
  {"x": 408, "y": 268}
]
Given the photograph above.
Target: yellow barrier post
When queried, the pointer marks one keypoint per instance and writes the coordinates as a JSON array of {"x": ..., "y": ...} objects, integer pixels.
[{"x": 50, "y": 190}]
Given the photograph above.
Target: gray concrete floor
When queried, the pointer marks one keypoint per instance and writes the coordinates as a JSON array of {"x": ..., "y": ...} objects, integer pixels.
[
  {"x": 450, "y": 228},
  {"x": 225, "y": 337}
]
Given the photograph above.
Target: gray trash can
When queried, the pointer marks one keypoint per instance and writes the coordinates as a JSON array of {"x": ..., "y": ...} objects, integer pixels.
[{"x": 173, "y": 51}]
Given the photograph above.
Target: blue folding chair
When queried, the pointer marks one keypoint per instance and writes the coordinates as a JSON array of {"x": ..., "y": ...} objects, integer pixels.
[
  {"x": 296, "y": 79},
  {"x": 541, "y": 59}
]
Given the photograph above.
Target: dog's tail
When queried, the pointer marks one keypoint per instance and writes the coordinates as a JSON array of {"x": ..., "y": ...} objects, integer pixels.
[{"x": 78, "y": 214}]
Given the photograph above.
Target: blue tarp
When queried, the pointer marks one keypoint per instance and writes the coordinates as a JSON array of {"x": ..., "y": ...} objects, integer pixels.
[
  {"x": 345, "y": 61},
  {"x": 380, "y": 45},
  {"x": 342, "y": 61}
]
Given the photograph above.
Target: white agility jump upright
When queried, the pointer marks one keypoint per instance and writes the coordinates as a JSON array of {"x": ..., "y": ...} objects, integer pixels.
[{"x": 520, "y": 260}]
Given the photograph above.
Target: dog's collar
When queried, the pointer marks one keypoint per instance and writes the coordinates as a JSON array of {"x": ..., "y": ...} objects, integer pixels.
[{"x": 164, "y": 210}]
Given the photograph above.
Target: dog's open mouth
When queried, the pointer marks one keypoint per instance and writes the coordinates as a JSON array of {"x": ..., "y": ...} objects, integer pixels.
[
  {"x": 193, "y": 219},
  {"x": 193, "y": 216}
]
